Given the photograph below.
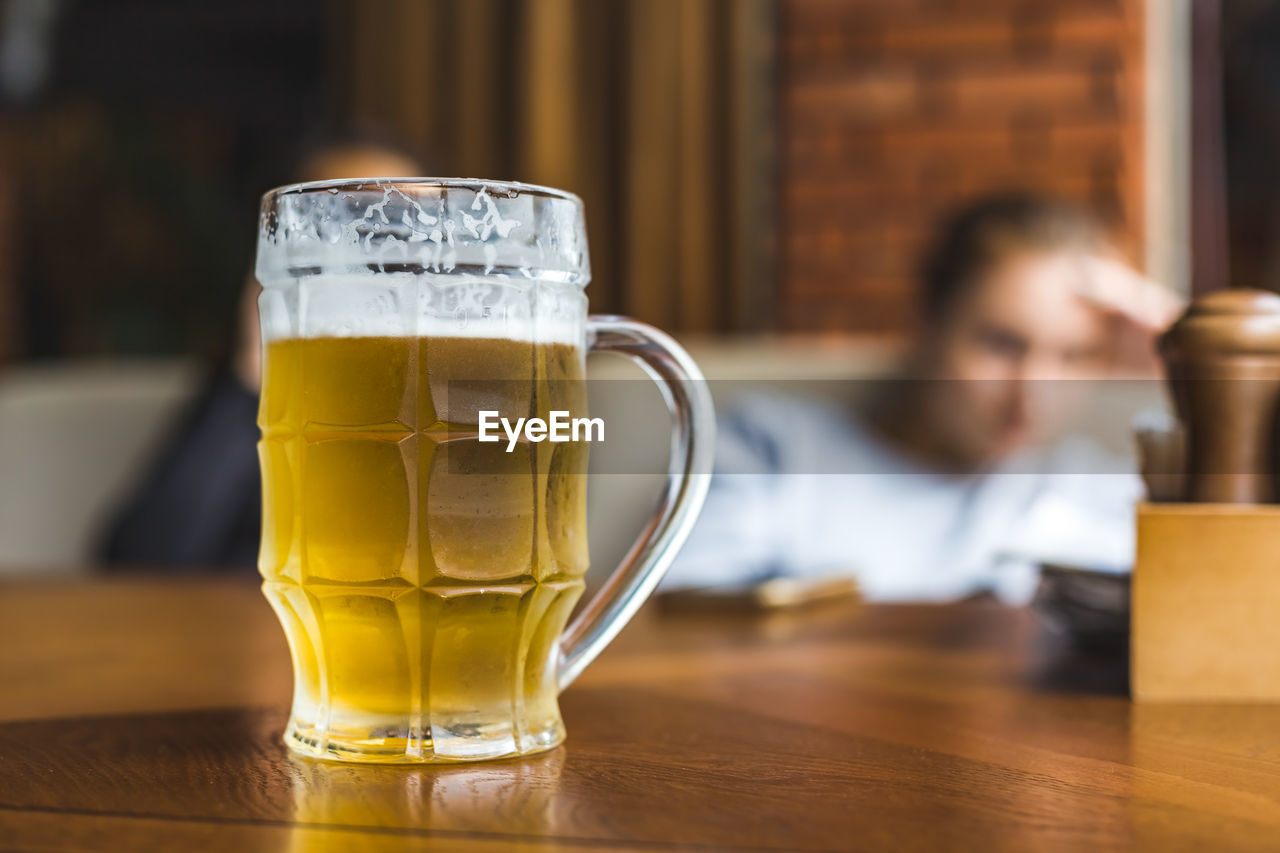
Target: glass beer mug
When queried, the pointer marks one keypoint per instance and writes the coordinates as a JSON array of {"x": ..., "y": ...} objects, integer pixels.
[{"x": 425, "y": 577}]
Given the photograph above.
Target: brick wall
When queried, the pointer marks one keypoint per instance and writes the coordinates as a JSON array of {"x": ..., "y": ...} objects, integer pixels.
[{"x": 894, "y": 110}]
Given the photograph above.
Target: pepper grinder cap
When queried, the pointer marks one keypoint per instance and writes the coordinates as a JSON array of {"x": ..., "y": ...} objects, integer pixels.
[{"x": 1239, "y": 321}]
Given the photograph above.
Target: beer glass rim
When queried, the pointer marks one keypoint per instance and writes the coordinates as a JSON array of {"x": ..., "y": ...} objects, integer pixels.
[
  {"x": 442, "y": 226},
  {"x": 510, "y": 189}
]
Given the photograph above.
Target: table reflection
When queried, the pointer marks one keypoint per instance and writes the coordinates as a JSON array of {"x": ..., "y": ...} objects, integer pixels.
[{"x": 497, "y": 799}]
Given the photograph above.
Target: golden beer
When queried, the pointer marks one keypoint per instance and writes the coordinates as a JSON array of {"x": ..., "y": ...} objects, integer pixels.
[{"x": 423, "y": 577}]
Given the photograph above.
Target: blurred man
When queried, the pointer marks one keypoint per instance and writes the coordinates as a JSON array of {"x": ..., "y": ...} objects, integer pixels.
[
  {"x": 200, "y": 504},
  {"x": 931, "y": 489}
]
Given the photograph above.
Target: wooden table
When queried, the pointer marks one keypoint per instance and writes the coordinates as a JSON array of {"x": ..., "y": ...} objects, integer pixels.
[{"x": 145, "y": 715}]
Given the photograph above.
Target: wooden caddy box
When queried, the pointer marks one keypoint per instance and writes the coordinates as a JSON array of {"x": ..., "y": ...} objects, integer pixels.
[{"x": 1206, "y": 604}]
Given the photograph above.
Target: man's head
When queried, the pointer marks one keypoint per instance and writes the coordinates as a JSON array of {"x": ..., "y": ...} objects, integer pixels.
[
  {"x": 324, "y": 157},
  {"x": 356, "y": 158},
  {"x": 1005, "y": 317}
]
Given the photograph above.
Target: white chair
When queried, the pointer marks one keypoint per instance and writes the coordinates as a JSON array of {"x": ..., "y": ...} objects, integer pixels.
[{"x": 73, "y": 437}]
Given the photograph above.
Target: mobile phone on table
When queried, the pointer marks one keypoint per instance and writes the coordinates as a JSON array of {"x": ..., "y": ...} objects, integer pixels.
[{"x": 764, "y": 594}]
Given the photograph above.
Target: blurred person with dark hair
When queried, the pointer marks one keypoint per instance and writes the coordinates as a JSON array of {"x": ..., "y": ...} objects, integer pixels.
[
  {"x": 937, "y": 485},
  {"x": 199, "y": 505}
]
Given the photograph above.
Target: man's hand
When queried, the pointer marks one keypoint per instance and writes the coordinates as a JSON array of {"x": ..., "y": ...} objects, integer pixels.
[{"x": 1139, "y": 308}]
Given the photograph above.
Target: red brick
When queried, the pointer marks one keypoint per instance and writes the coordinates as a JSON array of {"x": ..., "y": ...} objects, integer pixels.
[
  {"x": 1004, "y": 92},
  {"x": 894, "y": 111},
  {"x": 870, "y": 93},
  {"x": 948, "y": 37}
]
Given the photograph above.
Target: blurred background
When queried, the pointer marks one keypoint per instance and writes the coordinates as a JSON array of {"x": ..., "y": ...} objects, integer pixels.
[{"x": 758, "y": 174}]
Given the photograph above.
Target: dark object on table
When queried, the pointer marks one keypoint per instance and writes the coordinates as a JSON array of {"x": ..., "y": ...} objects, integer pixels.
[
  {"x": 764, "y": 594},
  {"x": 1090, "y": 608}
]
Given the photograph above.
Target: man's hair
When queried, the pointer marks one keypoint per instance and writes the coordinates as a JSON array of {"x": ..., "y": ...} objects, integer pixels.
[{"x": 977, "y": 237}]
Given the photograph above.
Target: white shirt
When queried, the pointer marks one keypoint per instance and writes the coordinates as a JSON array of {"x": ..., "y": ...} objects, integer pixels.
[{"x": 802, "y": 489}]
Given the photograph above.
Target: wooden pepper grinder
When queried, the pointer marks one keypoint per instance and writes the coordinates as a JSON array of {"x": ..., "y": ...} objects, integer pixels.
[{"x": 1223, "y": 360}]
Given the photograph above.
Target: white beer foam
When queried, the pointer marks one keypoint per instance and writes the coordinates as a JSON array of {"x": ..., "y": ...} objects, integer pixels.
[{"x": 422, "y": 305}]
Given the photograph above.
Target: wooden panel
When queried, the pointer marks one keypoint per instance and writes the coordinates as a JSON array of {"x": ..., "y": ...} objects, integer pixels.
[
  {"x": 554, "y": 129},
  {"x": 10, "y": 339},
  {"x": 702, "y": 209},
  {"x": 652, "y": 212},
  {"x": 480, "y": 120}
]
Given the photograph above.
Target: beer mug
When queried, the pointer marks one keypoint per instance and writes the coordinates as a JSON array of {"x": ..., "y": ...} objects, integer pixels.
[{"x": 424, "y": 574}]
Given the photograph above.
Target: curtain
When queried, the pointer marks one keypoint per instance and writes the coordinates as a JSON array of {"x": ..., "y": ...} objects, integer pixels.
[{"x": 659, "y": 113}]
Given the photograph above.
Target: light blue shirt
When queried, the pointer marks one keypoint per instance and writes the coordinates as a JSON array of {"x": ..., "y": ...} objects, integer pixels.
[{"x": 814, "y": 492}]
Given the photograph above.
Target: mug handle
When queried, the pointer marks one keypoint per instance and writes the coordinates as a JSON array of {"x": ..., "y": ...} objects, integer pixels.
[{"x": 688, "y": 476}]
